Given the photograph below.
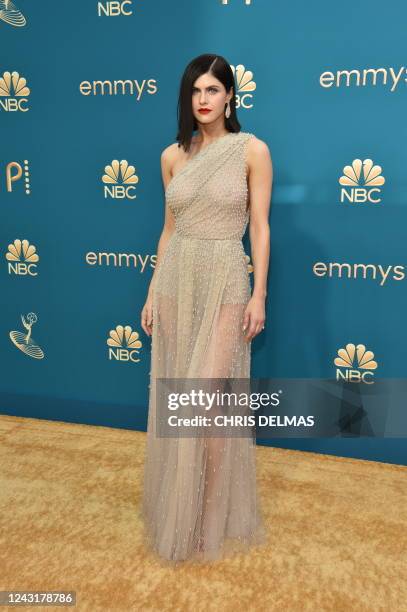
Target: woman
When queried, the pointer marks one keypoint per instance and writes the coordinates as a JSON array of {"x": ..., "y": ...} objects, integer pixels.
[{"x": 199, "y": 496}]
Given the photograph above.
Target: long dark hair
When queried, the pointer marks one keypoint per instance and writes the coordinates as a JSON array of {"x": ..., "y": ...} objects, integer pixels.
[{"x": 221, "y": 70}]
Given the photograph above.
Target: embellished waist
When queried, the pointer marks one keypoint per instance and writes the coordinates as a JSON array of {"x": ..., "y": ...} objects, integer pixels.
[{"x": 179, "y": 234}]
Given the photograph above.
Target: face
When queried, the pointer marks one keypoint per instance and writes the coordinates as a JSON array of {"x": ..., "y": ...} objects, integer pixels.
[{"x": 209, "y": 93}]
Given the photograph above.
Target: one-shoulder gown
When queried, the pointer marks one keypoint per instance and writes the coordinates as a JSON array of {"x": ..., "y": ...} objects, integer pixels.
[{"x": 200, "y": 498}]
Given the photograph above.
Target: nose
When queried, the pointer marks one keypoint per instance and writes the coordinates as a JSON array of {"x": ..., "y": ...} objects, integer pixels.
[{"x": 202, "y": 99}]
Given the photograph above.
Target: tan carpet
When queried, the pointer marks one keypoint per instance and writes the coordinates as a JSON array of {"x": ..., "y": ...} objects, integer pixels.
[{"x": 70, "y": 520}]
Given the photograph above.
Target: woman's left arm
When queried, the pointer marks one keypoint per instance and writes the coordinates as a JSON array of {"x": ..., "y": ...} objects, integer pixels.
[{"x": 260, "y": 180}]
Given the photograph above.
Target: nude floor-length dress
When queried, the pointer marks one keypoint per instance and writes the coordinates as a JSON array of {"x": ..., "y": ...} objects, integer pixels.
[{"x": 199, "y": 493}]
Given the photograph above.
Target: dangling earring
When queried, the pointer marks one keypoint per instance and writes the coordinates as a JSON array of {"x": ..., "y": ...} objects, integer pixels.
[{"x": 227, "y": 111}]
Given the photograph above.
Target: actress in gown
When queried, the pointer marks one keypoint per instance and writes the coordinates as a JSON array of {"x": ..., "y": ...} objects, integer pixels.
[{"x": 200, "y": 500}]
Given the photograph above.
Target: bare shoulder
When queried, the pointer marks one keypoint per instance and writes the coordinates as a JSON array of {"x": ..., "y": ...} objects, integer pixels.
[
  {"x": 257, "y": 148},
  {"x": 170, "y": 153},
  {"x": 169, "y": 157},
  {"x": 258, "y": 155}
]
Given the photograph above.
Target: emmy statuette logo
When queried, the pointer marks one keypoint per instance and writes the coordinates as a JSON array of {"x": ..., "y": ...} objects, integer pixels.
[
  {"x": 25, "y": 342},
  {"x": 119, "y": 180},
  {"x": 124, "y": 344},
  {"x": 361, "y": 181},
  {"x": 9, "y": 13},
  {"x": 355, "y": 364},
  {"x": 13, "y": 92}
]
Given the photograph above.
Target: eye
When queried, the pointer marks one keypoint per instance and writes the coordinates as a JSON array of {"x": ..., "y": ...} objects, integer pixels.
[{"x": 211, "y": 89}]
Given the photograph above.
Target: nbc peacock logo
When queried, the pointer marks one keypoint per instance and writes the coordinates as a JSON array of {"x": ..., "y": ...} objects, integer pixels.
[
  {"x": 124, "y": 344},
  {"x": 22, "y": 258},
  {"x": 361, "y": 182},
  {"x": 119, "y": 180},
  {"x": 355, "y": 364},
  {"x": 245, "y": 85},
  {"x": 13, "y": 92},
  {"x": 17, "y": 174},
  {"x": 114, "y": 8},
  {"x": 25, "y": 342},
  {"x": 9, "y": 13}
]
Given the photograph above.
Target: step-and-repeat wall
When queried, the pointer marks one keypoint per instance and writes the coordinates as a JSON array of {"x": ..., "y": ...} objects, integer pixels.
[{"x": 88, "y": 100}]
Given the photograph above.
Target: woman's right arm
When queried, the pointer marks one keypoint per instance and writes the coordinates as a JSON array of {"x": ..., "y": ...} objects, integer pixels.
[
  {"x": 167, "y": 158},
  {"x": 169, "y": 221}
]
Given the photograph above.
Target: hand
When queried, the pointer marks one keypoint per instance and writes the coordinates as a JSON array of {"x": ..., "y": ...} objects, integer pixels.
[
  {"x": 147, "y": 316},
  {"x": 254, "y": 317}
]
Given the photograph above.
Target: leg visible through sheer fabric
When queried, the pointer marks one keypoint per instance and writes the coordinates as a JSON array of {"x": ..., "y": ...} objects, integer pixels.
[{"x": 225, "y": 357}]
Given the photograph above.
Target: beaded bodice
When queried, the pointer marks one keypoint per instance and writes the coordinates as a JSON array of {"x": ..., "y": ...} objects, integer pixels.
[{"x": 209, "y": 195}]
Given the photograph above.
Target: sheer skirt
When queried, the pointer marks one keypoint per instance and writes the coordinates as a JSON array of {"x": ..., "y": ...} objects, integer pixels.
[{"x": 200, "y": 496}]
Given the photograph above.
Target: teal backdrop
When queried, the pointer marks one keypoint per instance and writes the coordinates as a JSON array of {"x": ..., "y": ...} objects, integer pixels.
[{"x": 90, "y": 250}]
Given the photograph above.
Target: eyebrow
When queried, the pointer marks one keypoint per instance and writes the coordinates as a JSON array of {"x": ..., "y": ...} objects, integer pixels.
[{"x": 209, "y": 87}]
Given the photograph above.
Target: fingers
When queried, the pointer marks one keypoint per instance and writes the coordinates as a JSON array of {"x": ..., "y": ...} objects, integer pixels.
[
  {"x": 255, "y": 327},
  {"x": 144, "y": 326},
  {"x": 147, "y": 320},
  {"x": 246, "y": 320}
]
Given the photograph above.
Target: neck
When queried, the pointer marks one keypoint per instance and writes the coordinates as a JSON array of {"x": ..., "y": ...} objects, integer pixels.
[{"x": 207, "y": 134}]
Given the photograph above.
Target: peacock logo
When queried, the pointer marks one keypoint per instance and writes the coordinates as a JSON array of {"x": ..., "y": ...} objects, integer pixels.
[
  {"x": 25, "y": 342},
  {"x": 245, "y": 85},
  {"x": 13, "y": 92},
  {"x": 124, "y": 344},
  {"x": 355, "y": 364},
  {"x": 119, "y": 180},
  {"x": 22, "y": 258},
  {"x": 10, "y": 14},
  {"x": 361, "y": 181}
]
